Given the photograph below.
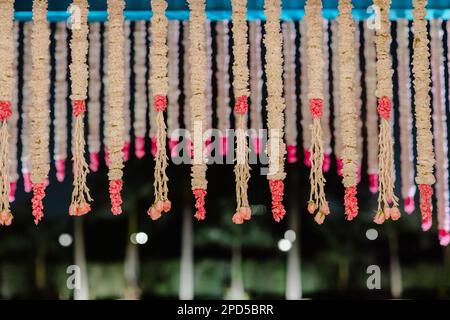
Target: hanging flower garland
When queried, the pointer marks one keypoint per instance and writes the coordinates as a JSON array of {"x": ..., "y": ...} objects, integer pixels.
[
  {"x": 304, "y": 100},
  {"x": 140, "y": 101},
  {"x": 152, "y": 111},
  {"x": 79, "y": 78},
  {"x": 289, "y": 35},
  {"x": 440, "y": 131},
  {"x": 223, "y": 84},
  {"x": 348, "y": 110},
  {"x": 358, "y": 99},
  {"x": 371, "y": 110},
  {"x": 425, "y": 153},
  {"x": 187, "y": 88},
  {"x": 256, "y": 85},
  {"x": 13, "y": 128},
  {"x": 94, "y": 95},
  {"x": 127, "y": 92},
  {"x": 404, "y": 91},
  {"x": 387, "y": 200},
  {"x": 326, "y": 101},
  {"x": 173, "y": 111},
  {"x": 208, "y": 92},
  {"x": 25, "y": 135},
  {"x": 6, "y": 92},
  {"x": 39, "y": 112},
  {"x": 336, "y": 97},
  {"x": 241, "y": 93},
  {"x": 61, "y": 92},
  {"x": 106, "y": 109},
  {"x": 276, "y": 147},
  {"x": 197, "y": 61},
  {"x": 115, "y": 117},
  {"x": 160, "y": 87},
  {"x": 317, "y": 202}
]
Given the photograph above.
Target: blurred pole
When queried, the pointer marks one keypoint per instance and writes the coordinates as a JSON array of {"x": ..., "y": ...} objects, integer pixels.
[
  {"x": 40, "y": 267},
  {"x": 131, "y": 265},
  {"x": 293, "y": 273},
  {"x": 80, "y": 260},
  {"x": 237, "y": 282},
  {"x": 396, "y": 274},
  {"x": 186, "y": 291}
]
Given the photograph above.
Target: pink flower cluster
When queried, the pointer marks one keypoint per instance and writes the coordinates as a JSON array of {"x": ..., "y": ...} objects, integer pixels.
[
  {"x": 277, "y": 190},
  {"x": 199, "y": 195},
  {"x": 115, "y": 188},
  {"x": 78, "y": 107},
  {"x": 351, "y": 203},
  {"x": 5, "y": 110},
  {"x": 36, "y": 201},
  {"x": 384, "y": 108}
]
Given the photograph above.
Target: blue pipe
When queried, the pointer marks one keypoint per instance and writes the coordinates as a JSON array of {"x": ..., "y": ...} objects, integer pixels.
[{"x": 295, "y": 14}]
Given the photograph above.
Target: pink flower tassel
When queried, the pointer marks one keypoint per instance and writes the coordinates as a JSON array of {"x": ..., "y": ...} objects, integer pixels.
[
  {"x": 444, "y": 237},
  {"x": 326, "y": 162},
  {"x": 154, "y": 146},
  {"x": 257, "y": 145},
  {"x": 93, "y": 161},
  {"x": 27, "y": 185},
  {"x": 277, "y": 190},
  {"x": 351, "y": 203},
  {"x": 241, "y": 215},
  {"x": 12, "y": 191},
  {"x": 340, "y": 167},
  {"x": 307, "y": 157},
  {"x": 426, "y": 191},
  {"x": 126, "y": 151},
  {"x": 292, "y": 154},
  {"x": 36, "y": 201},
  {"x": 224, "y": 146},
  {"x": 409, "y": 205},
  {"x": 115, "y": 188},
  {"x": 60, "y": 169},
  {"x": 199, "y": 195},
  {"x": 139, "y": 145},
  {"x": 373, "y": 182},
  {"x": 79, "y": 210},
  {"x": 173, "y": 143}
]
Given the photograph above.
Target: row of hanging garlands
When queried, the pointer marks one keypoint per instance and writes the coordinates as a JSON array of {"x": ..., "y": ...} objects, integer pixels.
[{"x": 162, "y": 48}]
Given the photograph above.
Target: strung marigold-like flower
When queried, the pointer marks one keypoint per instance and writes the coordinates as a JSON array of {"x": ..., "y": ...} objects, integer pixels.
[
  {"x": 39, "y": 113},
  {"x": 424, "y": 142},
  {"x": 276, "y": 147},
  {"x": 313, "y": 10}
]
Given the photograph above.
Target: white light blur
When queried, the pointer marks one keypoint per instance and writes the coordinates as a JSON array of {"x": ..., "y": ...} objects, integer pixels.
[
  {"x": 141, "y": 238},
  {"x": 290, "y": 235},
  {"x": 284, "y": 245},
  {"x": 65, "y": 239}
]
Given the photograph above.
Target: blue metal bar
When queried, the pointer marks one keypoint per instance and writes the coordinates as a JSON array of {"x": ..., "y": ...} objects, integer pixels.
[{"x": 287, "y": 14}]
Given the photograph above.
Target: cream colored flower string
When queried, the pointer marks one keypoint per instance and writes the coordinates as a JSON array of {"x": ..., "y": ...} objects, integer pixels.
[
  {"x": 313, "y": 15},
  {"x": 223, "y": 84},
  {"x": 326, "y": 133},
  {"x": 424, "y": 137},
  {"x": 61, "y": 93},
  {"x": 152, "y": 111},
  {"x": 197, "y": 61},
  {"x": 358, "y": 99},
  {"x": 348, "y": 109},
  {"x": 404, "y": 93},
  {"x": 13, "y": 128},
  {"x": 39, "y": 113},
  {"x": 256, "y": 85},
  {"x": 173, "y": 108},
  {"x": 79, "y": 75},
  {"x": 140, "y": 100},
  {"x": 289, "y": 35},
  {"x": 115, "y": 102},
  {"x": 94, "y": 95},
  {"x": 209, "y": 89},
  {"x": 6, "y": 91},
  {"x": 127, "y": 92},
  {"x": 187, "y": 140},
  {"x": 276, "y": 148},
  {"x": 241, "y": 75},
  {"x": 25, "y": 136},
  {"x": 440, "y": 131},
  {"x": 387, "y": 200},
  {"x": 336, "y": 97},
  {"x": 160, "y": 86},
  {"x": 304, "y": 100},
  {"x": 371, "y": 107}
]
